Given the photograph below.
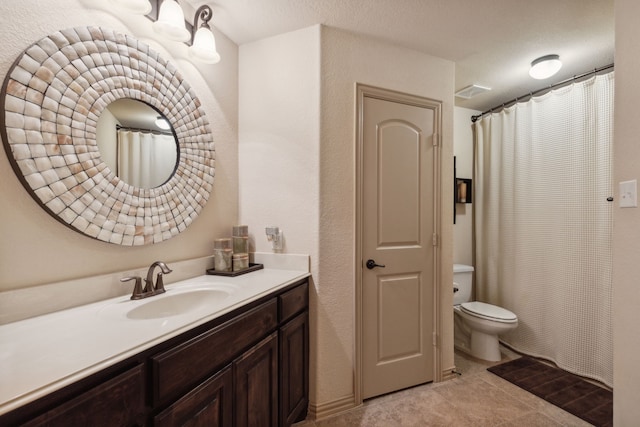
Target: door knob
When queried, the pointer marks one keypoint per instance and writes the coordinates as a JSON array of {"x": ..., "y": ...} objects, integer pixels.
[{"x": 371, "y": 264}]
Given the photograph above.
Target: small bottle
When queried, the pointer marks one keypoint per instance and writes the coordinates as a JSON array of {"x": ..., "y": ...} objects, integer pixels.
[
  {"x": 240, "y": 262},
  {"x": 240, "y": 237},
  {"x": 222, "y": 255}
]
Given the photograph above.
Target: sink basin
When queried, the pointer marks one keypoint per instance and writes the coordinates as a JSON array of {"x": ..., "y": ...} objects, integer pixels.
[{"x": 178, "y": 303}]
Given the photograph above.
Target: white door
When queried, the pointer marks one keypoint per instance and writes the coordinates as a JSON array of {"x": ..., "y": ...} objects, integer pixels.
[{"x": 398, "y": 189}]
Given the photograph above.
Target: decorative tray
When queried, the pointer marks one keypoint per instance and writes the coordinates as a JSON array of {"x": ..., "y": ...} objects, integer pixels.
[{"x": 252, "y": 267}]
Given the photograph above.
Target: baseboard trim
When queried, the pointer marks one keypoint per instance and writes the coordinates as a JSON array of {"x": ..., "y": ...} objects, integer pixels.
[
  {"x": 449, "y": 374},
  {"x": 320, "y": 411}
]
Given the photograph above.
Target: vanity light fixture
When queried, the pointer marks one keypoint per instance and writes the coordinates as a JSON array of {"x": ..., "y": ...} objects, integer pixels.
[
  {"x": 170, "y": 22},
  {"x": 203, "y": 47},
  {"x": 162, "y": 123},
  {"x": 545, "y": 67}
]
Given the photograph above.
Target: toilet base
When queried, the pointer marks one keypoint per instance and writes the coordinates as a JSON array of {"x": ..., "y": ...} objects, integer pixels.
[
  {"x": 479, "y": 337},
  {"x": 485, "y": 346}
]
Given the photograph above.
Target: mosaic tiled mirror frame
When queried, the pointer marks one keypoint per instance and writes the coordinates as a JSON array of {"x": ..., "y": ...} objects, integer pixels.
[{"x": 52, "y": 98}]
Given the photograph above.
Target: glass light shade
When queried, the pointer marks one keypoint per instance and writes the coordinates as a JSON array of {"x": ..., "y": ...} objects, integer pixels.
[
  {"x": 162, "y": 123},
  {"x": 545, "y": 67},
  {"x": 204, "y": 47},
  {"x": 141, "y": 7},
  {"x": 170, "y": 22}
]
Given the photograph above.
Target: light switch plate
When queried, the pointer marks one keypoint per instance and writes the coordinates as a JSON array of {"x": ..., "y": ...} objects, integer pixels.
[{"x": 629, "y": 194}]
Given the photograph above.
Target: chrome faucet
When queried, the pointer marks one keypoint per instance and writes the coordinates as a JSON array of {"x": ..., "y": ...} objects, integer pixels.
[{"x": 150, "y": 289}]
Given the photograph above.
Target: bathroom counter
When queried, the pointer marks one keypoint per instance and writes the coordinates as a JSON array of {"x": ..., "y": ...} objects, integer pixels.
[{"x": 45, "y": 353}]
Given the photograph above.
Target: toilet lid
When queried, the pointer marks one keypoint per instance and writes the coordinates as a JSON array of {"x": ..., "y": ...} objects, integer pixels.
[{"x": 488, "y": 311}]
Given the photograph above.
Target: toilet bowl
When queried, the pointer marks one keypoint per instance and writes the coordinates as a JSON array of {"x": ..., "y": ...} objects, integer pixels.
[{"x": 477, "y": 325}]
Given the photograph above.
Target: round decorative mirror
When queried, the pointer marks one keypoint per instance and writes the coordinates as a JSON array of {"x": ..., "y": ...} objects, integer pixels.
[{"x": 53, "y": 99}]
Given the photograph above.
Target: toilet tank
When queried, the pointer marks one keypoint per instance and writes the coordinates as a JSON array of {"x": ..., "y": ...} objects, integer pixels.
[{"x": 463, "y": 280}]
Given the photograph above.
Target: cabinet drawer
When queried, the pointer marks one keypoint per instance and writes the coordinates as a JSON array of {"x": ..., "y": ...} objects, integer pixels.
[
  {"x": 179, "y": 369},
  {"x": 293, "y": 301},
  {"x": 116, "y": 402}
]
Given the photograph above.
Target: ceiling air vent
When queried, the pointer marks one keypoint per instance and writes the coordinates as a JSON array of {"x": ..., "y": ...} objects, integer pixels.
[{"x": 471, "y": 91}]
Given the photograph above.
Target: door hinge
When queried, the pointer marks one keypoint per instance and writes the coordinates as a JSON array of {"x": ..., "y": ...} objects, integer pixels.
[
  {"x": 435, "y": 239},
  {"x": 435, "y": 339},
  {"x": 436, "y": 139}
]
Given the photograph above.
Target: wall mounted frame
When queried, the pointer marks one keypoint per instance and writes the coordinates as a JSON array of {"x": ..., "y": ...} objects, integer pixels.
[{"x": 52, "y": 98}]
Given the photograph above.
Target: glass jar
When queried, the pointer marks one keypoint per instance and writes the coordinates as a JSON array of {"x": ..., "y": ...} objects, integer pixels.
[
  {"x": 240, "y": 262},
  {"x": 222, "y": 255},
  {"x": 240, "y": 236}
]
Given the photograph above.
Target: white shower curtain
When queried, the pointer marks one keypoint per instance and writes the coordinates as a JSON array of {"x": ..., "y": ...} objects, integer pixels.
[
  {"x": 543, "y": 223},
  {"x": 145, "y": 160}
]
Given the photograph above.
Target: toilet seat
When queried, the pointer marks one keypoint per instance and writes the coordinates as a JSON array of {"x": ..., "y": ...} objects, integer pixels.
[{"x": 489, "y": 312}]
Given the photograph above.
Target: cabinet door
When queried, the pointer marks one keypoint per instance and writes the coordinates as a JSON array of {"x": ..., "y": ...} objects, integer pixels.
[
  {"x": 210, "y": 404},
  {"x": 256, "y": 382},
  {"x": 116, "y": 402},
  {"x": 294, "y": 370}
]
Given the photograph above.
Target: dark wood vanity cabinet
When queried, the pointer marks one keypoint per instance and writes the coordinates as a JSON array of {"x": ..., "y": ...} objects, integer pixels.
[
  {"x": 263, "y": 352},
  {"x": 249, "y": 368}
]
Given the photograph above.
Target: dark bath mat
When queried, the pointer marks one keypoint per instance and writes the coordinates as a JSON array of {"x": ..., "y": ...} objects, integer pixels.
[{"x": 567, "y": 391}]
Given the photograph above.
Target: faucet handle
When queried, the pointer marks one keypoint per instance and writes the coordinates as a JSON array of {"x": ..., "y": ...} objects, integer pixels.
[
  {"x": 137, "y": 288},
  {"x": 159, "y": 289}
]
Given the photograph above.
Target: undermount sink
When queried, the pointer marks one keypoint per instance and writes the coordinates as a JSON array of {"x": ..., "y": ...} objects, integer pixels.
[{"x": 174, "y": 302}]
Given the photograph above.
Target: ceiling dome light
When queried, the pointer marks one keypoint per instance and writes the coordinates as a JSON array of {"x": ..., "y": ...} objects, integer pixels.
[
  {"x": 545, "y": 67},
  {"x": 162, "y": 123},
  {"x": 170, "y": 22},
  {"x": 142, "y": 7}
]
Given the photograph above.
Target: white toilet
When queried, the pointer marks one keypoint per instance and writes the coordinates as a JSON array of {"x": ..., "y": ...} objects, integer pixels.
[{"x": 477, "y": 324}]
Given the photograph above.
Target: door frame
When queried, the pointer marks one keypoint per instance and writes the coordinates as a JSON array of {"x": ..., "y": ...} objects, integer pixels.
[{"x": 363, "y": 91}]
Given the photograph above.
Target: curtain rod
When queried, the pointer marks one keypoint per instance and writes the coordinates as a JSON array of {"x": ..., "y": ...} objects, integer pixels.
[
  {"x": 539, "y": 91},
  {"x": 155, "y": 132}
]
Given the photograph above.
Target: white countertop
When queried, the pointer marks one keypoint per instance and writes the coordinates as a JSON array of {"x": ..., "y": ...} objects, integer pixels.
[{"x": 45, "y": 353}]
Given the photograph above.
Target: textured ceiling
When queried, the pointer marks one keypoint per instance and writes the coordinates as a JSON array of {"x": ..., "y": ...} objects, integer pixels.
[{"x": 492, "y": 42}]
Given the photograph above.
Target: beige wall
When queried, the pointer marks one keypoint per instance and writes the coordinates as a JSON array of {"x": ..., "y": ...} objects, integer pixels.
[
  {"x": 279, "y": 147},
  {"x": 35, "y": 247},
  {"x": 626, "y": 222},
  {"x": 279, "y": 142},
  {"x": 463, "y": 150}
]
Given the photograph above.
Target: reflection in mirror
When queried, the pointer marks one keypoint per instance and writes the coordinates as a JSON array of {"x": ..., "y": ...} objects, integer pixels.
[{"x": 137, "y": 143}]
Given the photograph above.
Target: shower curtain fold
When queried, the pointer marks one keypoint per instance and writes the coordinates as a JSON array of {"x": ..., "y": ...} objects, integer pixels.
[
  {"x": 543, "y": 223},
  {"x": 145, "y": 159}
]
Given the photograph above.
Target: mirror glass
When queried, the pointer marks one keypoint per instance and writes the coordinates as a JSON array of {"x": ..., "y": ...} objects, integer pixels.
[{"x": 137, "y": 143}]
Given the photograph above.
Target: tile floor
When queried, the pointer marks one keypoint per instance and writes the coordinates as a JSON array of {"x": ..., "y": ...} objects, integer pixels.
[{"x": 475, "y": 398}]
